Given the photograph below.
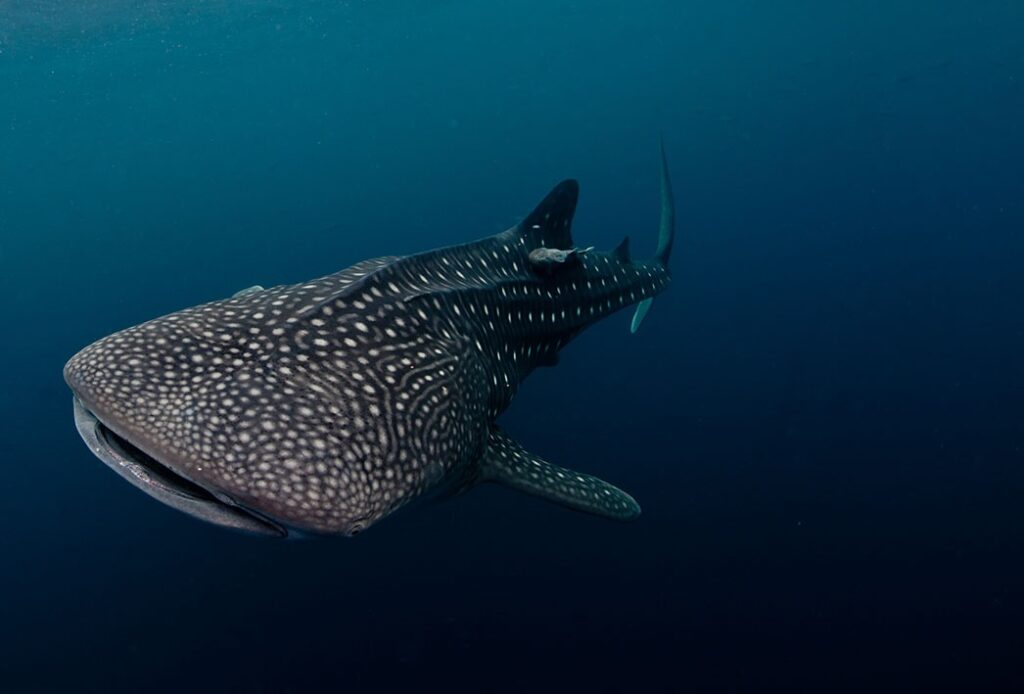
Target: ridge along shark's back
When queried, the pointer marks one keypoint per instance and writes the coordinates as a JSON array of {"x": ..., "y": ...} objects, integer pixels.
[{"x": 325, "y": 406}]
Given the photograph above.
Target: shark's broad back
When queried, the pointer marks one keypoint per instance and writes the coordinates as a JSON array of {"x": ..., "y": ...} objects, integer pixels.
[{"x": 325, "y": 406}]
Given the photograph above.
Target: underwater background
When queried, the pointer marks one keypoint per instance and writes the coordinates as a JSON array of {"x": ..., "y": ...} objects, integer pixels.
[{"x": 821, "y": 418}]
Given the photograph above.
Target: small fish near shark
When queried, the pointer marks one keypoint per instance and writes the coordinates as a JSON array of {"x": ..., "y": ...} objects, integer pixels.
[{"x": 322, "y": 407}]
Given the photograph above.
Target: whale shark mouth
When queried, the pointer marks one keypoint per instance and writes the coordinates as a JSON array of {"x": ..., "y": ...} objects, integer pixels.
[{"x": 164, "y": 484}]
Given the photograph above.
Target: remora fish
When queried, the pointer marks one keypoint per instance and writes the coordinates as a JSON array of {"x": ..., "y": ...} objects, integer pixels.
[{"x": 325, "y": 406}]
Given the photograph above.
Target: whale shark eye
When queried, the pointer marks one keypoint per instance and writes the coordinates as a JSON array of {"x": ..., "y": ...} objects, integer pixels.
[{"x": 355, "y": 529}]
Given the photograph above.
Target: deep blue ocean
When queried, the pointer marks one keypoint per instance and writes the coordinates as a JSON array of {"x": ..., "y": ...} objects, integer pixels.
[{"x": 822, "y": 417}]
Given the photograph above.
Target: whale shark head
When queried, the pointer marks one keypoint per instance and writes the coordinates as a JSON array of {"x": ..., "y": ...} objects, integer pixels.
[{"x": 251, "y": 412}]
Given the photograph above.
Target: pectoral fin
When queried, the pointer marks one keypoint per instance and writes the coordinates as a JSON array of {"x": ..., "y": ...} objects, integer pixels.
[{"x": 506, "y": 462}]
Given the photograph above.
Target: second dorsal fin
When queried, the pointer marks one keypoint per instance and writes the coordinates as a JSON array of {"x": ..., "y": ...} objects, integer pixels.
[{"x": 622, "y": 250}]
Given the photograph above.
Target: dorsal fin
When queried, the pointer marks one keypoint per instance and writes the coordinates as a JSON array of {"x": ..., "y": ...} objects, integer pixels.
[
  {"x": 550, "y": 223},
  {"x": 622, "y": 250}
]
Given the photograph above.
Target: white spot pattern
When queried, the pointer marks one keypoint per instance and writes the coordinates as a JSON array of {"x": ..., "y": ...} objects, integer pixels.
[{"x": 328, "y": 405}]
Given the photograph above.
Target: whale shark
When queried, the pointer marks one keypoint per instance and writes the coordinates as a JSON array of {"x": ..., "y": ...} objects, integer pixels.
[{"x": 322, "y": 407}]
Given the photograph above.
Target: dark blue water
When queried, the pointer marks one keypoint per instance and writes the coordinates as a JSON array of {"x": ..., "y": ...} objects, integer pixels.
[{"x": 821, "y": 418}]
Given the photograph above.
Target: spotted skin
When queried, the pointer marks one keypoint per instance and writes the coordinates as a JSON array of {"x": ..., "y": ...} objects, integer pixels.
[
  {"x": 327, "y": 405},
  {"x": 509, "y": 463}
]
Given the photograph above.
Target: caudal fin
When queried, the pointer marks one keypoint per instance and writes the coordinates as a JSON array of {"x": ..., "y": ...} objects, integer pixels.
[
  {"x": 666, "y": 235},
  {"x": 667, "y": 231}
]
